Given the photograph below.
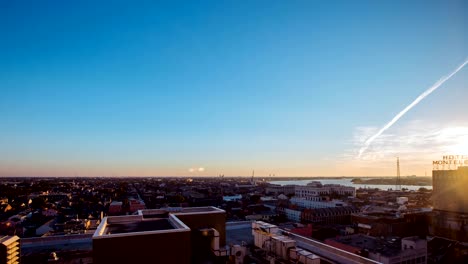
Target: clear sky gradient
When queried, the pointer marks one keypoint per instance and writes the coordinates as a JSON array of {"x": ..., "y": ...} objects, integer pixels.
[{"x": 291, "y": 88}]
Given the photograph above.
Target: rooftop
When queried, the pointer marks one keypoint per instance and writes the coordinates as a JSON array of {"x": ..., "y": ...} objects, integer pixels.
[
  {"x": 149, "y": 221},
  {"x": 139, "y": 226},
  {"x": 387, "y": 247},
  {"x": 7, "y": 240}
]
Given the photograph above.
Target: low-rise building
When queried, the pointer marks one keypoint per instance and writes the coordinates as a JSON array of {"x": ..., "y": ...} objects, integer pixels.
[
  {"x": 392, "y": 250},
  {"x": 115, "y": 208},
  {"x": 230, "y": 198},
  {"x": 333, "y": 215},
  {"x": 136, "y": 205},
  {"x": 282, "y": 246},
  {"x": 316, "y": 202},
  {"x": 317, "y": 189},
  {"x": 293, "y": 214},
  {"x": 392, "y": 223},
  {"x": 280, "y": 189}
]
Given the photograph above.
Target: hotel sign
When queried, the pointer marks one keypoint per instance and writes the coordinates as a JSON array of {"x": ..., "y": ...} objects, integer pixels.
[{"x": 450, "y": 162}]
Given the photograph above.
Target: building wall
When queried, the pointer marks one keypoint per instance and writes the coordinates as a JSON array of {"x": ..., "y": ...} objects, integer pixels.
[
  {"x": 328, "y": 189},
  {"x": 379, "y": 226},
  {"x": 449, "y": 225},
  {"x": 200, "y": 245},
  {"x": 413, "y": 250},
  {"x": 450, "y": 201},
  {"x": 136, "y": 205},
  {"x": 215, "y": 220},
  {"x": 115, "y": 208},
  {"x": 306, "y": 191},
  {"x": 171, "y": 247},
  {"x": 417, "y": 256},
  {"x": 310, "y": 204},
  {"x": 287, "y": 189},
  {"x": 449, "y": 190},
  {"x": 292, "y": 215},
  {"x": 336, "y": 215}
]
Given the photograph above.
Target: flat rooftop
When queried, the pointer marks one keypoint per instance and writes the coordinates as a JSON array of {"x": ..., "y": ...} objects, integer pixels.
[
  {"x": 387, "y": 247},
  {"x": 7, "y": 240},
  {"x": 139, "y": 226},
  {"x": 150, "y": 221},
  {"x": 238, "y": 232}
]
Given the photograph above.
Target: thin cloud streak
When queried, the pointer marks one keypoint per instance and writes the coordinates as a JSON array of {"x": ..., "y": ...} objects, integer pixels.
[
  {"x": 436, "y": 85},
  {"x": 418, "y": 141}
]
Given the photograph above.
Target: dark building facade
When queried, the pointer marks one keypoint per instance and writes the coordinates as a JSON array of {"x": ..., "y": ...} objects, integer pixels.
[
  {"x": 332, "y": 215},
  {"x": 184, "y": 235},
  {"x": 389, "y": 224},
  {"x": 450, "y": 200}
]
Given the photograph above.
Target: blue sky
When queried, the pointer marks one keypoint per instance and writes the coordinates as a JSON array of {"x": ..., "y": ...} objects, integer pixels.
[{"x": 284, "y": 87}]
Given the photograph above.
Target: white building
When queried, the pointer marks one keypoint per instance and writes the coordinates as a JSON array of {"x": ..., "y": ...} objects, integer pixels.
[
  {"x": 317, "y": 189},
  {"x": 280, "y": 189},
  {"x": 266, "y": 237},
  {"x": 292, "y": 215},
  {"x": 316, "y": 203},
  {"x": 231, "y": 198},
  {"x": 286, "y": 246},
  {"x": 402, "y": 200}
]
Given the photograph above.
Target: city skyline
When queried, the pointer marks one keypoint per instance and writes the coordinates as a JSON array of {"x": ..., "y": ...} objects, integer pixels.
[{"x": 185, "y": 89}]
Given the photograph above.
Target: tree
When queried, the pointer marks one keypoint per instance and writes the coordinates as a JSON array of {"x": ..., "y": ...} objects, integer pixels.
[
  {"x": 255, "y": 198},
  {"x": 422, "y": 189},
  {"x": 37, "y": 203}
]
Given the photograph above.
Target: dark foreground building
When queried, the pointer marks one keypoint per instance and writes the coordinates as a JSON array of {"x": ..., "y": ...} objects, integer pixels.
[
  {"x": 184, "y": 235},
  {"x": 450, "y": 200}
]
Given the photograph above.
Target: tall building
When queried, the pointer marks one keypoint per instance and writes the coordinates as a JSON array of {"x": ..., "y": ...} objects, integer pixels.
[
  {"x": 449, "y": 190},
  {"x": 9, "y": 250},
  {"x": 450, "y": 198},
  {"x": 181, "y": 235}
]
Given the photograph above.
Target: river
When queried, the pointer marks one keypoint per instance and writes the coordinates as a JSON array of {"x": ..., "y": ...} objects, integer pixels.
[{"x": 348, "y": 182}]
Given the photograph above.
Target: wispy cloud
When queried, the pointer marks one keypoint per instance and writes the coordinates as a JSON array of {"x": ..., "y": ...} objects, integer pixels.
[
  {"x": 431, "y": 89},
  {"x": 200, "y": 169},
  {"x": 417, "y": 142}
]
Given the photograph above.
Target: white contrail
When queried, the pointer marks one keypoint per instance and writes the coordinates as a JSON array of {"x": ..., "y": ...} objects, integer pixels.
[{"x": 415, "y": 102}]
